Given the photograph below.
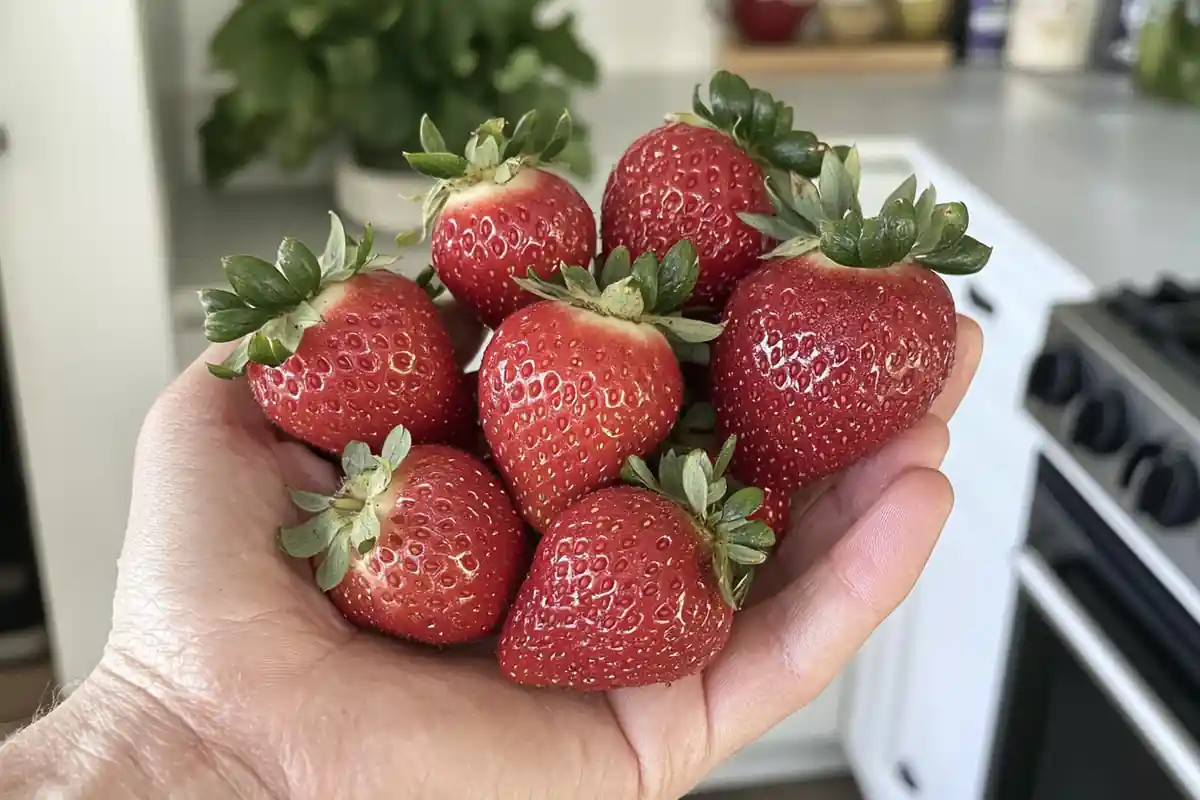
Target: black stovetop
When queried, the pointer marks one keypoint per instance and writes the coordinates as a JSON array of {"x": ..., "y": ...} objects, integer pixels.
[{"x": 1168, "y": 317}]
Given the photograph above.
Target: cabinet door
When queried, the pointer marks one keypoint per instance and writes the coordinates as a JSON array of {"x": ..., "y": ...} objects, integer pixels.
[
  {"x": 923, "y": 702},
  {"x": 84, "y": 285},
  {"x": 926, "y": 685},
  {"x": 960, "y": 608}
]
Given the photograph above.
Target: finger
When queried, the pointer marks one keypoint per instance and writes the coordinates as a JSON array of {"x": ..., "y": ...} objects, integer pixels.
[
  {"x": 925, "y": 444},
  {"x": 814, "y": 531},
  {"x": 784, "y": 652},
  {"x": 968, "y": 347},
  {"x": 968, "y": 350},
  {"x": 201, "y": 426},
  {"x": 226, "y": 408},
  {"x": 211, "y": 401}
]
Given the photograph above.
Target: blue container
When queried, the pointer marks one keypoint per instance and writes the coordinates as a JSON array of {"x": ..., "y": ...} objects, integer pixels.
[{"x": 987, "y": 31}]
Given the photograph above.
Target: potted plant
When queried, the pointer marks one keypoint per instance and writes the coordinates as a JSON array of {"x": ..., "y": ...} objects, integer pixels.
[{"x": 361, "y": 73}]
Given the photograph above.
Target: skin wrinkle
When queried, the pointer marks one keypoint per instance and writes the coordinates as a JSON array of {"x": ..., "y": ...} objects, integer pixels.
[
  {"x": 217, "y": 762},
  {"x": 887, "y": 537},
  {"x": 853, "y": 559},
  {"x": 109, "y": 731},
  {"x": 845, "y": 500}
]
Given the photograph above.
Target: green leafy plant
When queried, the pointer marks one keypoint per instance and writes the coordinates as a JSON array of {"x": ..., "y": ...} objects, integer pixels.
[
  {"x": 308, "y": 71},
  {"x": 1168, "y": 63}
]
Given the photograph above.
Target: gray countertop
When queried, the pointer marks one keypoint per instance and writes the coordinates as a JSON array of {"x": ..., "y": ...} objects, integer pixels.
[{"x": 1106, "y": 178}]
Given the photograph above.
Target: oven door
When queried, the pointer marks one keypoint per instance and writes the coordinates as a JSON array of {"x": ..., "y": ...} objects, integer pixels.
[{"x": 1102, "y": 695}]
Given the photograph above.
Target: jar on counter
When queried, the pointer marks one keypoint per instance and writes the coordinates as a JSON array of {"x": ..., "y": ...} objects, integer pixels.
[
  {"x": 922, "y": 19},
  {"x": 987, "y": 31},
  {"x": 769, "y": 21},
  {"x": 1052, "y": 35},
  {"x": 855, "y": 21}
]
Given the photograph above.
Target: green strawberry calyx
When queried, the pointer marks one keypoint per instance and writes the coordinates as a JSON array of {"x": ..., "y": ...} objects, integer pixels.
[
  {"x": 700, "y": 486},
  {"x": 349, "y": 518},
  {"x": 696, "y": 427},
  {"x": 760, "y": 124},
  {"x": 827, "y": 216},
  {"x": 642, "y": 290},
  {"x": 490, "y": 156},
  {"x": 271, "y": 305}
]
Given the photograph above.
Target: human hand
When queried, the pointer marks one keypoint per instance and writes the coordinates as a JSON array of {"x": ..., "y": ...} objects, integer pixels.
[{"x": 227, "y": 671}]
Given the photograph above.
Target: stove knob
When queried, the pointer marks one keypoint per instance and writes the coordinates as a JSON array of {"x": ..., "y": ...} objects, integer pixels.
[
  {"x": 1102, "y": 424},
  {"x": 1057, "y": 376},
  {"x": 1171, "y": 491}
]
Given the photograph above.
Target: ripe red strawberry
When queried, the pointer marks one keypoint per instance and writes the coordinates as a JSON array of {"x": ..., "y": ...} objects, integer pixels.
[
  {"x": 420, "y": 542},
  {"x": 495, "y": 214},
  {"x": 571, "y": 387},
  {"x": 635, "y": 586},
  {"x": 337, "y": 349},
  {"x": 845, "y": 337},
  {"x": 690, "y": 178}
]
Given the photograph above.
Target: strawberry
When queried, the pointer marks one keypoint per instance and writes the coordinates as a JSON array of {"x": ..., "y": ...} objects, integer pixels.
[
  {"x": 690, "y": 178},
  {"x": 635, "y": 586},
  {"x": 420, "y": 542},
  {"x": 337, "y": 349},
  {"x": 572, "y": 386},
  {"x": 845, "y": 336},
  {"x": 496, "y": 212}
]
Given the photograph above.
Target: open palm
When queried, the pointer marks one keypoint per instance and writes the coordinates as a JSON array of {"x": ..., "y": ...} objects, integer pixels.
[{"x": 234, "y": 644}]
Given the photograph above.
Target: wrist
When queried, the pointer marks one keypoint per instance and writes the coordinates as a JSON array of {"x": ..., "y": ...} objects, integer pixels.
[{"x": 110, "y": 739}]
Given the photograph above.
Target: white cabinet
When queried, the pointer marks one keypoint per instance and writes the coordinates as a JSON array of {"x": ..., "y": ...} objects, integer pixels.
[
  {"x": 82, "y": 256},
  {"x": 926, "y": 685}
]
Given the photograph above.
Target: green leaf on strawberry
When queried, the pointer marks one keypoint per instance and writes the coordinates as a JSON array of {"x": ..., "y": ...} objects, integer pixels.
[
  {"x": 617, "y": 267},
  {"x": 700, "y": 487},
  {"x": 490, "y": 156},
  {"x": 648, "y": 290},
  {"x": 270, "y": 305},
  {"x": 827, "y": 215},
  {"x": 760, "y": 124},
  {"x": 349, "y": 518}
]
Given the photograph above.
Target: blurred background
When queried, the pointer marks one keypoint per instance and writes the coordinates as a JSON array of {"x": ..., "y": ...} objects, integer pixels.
[{"x": 1052, "y": 648}]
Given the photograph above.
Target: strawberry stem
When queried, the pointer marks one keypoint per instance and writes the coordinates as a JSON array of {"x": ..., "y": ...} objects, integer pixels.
[
  {"x": 351, "y": 517},
  {"x": 721, "y": 519},
  {"x": 828, "y": 216},
  {"x": 270, "y": 306},
  {"x": 646, "y": 290},
  {"x": 760, "y": 124}
]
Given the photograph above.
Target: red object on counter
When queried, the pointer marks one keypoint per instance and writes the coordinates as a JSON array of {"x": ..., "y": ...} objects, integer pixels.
[{"x": 763, "y": 21}]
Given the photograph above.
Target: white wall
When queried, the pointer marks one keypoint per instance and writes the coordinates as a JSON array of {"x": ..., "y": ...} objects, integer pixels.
[{"x": 82, "y": 258}]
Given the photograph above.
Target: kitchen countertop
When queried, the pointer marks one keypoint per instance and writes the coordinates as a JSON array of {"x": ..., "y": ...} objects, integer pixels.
[
  {"x": 1103, "y": 176},
  {"x": 1107, "y": 178}
]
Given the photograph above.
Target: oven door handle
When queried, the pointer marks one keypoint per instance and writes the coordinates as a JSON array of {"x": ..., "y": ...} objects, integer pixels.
[{"x": 1171, "y": 743}]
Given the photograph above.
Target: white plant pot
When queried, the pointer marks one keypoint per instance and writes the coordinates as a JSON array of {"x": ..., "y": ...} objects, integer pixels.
[{"x": 378, "y": 196}]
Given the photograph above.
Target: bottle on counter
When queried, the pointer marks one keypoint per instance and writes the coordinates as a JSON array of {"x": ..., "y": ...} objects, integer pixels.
[
  {"x": 986, "y": 31},
  {"x": 1052, "y": 35},
  {"x": 1114, "y": 47},
  {"x": 922, "y": 19},
  {"x": 854, "y": 21}
]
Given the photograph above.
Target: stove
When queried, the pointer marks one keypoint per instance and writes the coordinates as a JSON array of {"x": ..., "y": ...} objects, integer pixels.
[
  {"x": 1102, "y": 687},
  {"x": 1117, "y": 389}
]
